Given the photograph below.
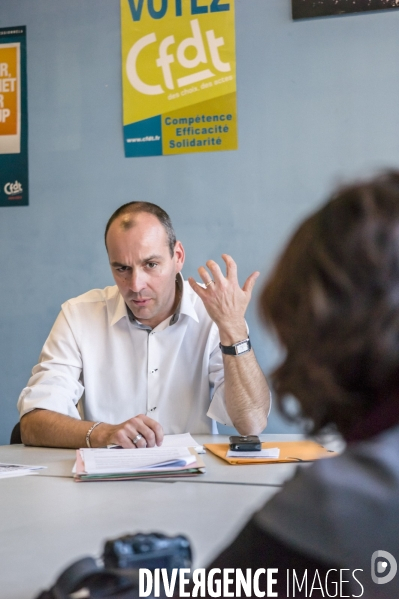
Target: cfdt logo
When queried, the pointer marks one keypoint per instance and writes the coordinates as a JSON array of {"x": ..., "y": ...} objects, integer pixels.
[
  {"x": 383, "y": 567},
  {"x": 13, "y": 188}
]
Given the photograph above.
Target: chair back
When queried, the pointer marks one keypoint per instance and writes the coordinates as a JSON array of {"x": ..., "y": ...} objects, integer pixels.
[{"x": 16, "y": 434}]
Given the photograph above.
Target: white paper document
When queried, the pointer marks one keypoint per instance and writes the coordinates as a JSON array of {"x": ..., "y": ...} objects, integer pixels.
[
  {"x": 9, "y": 470},
  {"x": 106, "y": 461},
  {"x": 182, "y": 440},
  {"x": 273, "y": 454}
]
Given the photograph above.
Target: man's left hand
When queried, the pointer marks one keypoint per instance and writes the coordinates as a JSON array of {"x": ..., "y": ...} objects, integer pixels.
[{"x": 224, "y": 299}]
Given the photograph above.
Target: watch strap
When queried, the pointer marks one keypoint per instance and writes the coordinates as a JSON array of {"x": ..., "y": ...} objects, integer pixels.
[{"x": 241, "y": 347}]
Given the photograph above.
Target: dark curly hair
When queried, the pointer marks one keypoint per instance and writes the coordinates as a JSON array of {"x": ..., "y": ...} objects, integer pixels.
[{"x": 333, "y": 299}]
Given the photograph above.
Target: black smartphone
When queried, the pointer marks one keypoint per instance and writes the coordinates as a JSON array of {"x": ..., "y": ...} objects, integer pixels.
[{"x": 250, "y": 443}]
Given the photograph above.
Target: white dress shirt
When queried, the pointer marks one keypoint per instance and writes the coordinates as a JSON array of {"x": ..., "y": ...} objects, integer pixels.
[{"x": 121, "y": 368}]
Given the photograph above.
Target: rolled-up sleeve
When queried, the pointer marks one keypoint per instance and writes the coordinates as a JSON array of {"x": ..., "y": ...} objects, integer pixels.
[
  {"x": 55, "y": 383},
  {"x": 217, "y": 410}
]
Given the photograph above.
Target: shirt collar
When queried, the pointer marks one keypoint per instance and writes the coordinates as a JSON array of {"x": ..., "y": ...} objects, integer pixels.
[
  {"x": 120, "y": 310},
  {"x": 185, "y": 305}
]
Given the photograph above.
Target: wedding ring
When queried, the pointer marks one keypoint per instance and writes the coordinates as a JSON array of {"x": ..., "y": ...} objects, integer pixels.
[
  {"x": 209, "y": 283},
  {"x": 137, "y": 438}
]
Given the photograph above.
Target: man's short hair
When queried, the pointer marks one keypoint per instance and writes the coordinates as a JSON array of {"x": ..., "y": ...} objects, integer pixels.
[
  {"x": 132, "y": 208},
  {"x": 333, "y": 300}
]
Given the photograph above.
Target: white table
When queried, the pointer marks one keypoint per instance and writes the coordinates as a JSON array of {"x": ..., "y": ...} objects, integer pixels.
[
  {"x": 48, "y": 520},
  {"x": 60, "y": 462}
]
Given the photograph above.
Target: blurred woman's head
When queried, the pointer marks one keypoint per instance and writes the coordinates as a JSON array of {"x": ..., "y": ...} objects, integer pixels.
[{"x": 333, "y": 300}]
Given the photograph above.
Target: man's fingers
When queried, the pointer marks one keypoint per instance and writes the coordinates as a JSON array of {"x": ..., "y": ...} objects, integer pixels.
[
  {"x": 148, "y": 437},
  {"x": 216, "y": 272},
  {"x": 231, "y": 266},
  {"x": 141, "y": 443},
  {"x": 151, "y": 430},
  {"x": 122, "y": 437},
  {"x": 156, "y": 428},
  {"x": 129, "y": 432},
  {"x": 250, "y": 282},
  {"x": 197, "y": 288},
  {"x": 204, "y": 274}
]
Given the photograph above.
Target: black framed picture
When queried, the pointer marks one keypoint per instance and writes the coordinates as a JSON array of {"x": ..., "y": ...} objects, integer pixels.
[{"x": 305, "y": 9}]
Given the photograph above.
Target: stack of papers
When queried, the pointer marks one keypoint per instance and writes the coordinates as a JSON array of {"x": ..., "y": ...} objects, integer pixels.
[
  {"x": 8, "y": 470},
  {"x": 123, "y": 464}
]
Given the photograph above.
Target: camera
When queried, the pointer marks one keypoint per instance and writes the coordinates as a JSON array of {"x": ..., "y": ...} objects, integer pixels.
[
  {"x": 116, "y": 574},
  {"x": 148, "y": 551}
]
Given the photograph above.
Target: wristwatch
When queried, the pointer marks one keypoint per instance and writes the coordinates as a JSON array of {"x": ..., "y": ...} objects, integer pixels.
[{"x": 237, "y": 348}]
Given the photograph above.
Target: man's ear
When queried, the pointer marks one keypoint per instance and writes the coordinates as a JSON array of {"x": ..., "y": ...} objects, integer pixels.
[{"x": 179, "y": 256}]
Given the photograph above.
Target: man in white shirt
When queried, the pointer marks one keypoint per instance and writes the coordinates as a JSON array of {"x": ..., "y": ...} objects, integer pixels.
[{"x": 146, "y": 352}]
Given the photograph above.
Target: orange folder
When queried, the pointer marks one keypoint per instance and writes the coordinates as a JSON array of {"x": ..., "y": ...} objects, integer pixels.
[{"x": 290, "y": 451}]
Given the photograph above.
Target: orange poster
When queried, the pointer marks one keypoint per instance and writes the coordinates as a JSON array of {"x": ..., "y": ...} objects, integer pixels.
[
  {"x": 9, "y": 89},
  {"x": 13, "y": 118}
]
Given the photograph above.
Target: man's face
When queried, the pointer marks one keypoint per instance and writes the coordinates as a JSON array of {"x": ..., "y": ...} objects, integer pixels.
[{"x": 143, "y": 268}]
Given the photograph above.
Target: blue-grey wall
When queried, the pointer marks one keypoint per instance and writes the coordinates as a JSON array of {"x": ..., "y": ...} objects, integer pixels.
[{"x": 317, "y": 104}]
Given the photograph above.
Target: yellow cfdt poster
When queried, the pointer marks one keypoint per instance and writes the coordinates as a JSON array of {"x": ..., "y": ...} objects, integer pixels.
[{"x": 179, "y": 76}]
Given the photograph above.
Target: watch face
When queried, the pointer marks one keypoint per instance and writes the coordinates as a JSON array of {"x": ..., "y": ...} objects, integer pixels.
[{"x": 242, "y": 347}]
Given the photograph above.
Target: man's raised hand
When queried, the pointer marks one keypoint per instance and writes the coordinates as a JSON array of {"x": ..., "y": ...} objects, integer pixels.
[{"x": 225, "y": 301}]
